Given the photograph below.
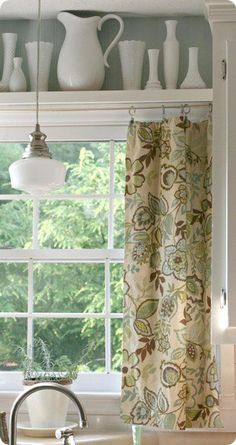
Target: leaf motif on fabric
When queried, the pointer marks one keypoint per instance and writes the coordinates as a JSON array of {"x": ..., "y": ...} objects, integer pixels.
[
  {"x": 143, "y": 219},
  {"x": 147, "y": 308},
  {"x": 181, "y": 336},
  {"x": 177, "y": 353},
  {"x": 158, "y": 206},
  {"x": 145, "y": 134},
  {"x": 168, "y": 225},
  {"x": 208, "y": 225},
  {"x": 126, "y": 419},
  {"x": 158, "y": 236},
  {"x": 150, "y": 398},
  {"x": 137, "y": 237},
  {"x": 142, "y": 327},
  {"x": 169, "y": 421},
  {"x": 164, "y": 206},
  {"x": 154, "y": 204},
  {"x": 162, "y": 402},
  {"x": 169, "y": 176}
]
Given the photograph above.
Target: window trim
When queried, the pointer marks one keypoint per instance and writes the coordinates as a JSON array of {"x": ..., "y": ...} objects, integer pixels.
[
  {"x": 102, "y": 125},
  {"x": 108, "y": 380}
]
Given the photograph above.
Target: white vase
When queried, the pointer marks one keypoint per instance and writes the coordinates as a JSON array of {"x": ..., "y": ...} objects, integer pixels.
[
  {"x": 17, "y": 80},
  {"x": 171, "y": 55},
  {"x": 131, "y": 58},
  {"x": 153, "y": 81},
  {"x": 9, "y": 47},
  {"x": 44, "y": 64},
  {"x": 193, "y": 78}
]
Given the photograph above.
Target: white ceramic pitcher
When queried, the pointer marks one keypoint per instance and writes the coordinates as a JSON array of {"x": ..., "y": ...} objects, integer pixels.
[{"x": 81, "y": 61}]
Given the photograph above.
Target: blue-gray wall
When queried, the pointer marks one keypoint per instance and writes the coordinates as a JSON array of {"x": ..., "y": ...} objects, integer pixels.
[{"x": 191, "y": 31}]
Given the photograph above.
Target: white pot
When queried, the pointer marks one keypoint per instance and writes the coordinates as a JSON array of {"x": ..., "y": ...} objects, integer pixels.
[{"x": 47, "y": 408}]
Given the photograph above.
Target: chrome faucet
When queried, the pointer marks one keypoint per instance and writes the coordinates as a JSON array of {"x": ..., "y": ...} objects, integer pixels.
[{"x": 20, "y": 399}]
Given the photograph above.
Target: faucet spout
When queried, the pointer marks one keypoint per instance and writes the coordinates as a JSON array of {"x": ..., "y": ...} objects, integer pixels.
[
  {"x": 39, "y": 387},
  {"x": 3, "y": 429}
]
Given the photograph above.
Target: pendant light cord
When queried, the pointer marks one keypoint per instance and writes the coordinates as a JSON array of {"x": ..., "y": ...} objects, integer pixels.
[{"x": 38, "y": 59}]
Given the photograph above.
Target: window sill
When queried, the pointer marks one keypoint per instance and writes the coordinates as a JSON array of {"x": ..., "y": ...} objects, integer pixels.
[{"x": 95, "y": 403}]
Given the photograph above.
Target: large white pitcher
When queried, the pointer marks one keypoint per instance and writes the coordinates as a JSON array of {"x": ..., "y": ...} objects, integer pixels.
[{"x": 81, "y": 61}]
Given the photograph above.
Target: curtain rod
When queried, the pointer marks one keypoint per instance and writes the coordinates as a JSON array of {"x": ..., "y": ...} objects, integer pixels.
[{"x": 177, "y": 105}]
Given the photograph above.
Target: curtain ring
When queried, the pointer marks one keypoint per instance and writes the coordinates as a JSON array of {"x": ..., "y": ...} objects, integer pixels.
[
  {"x": 187, "y": 109},
  {"x": 132, "y": 111},
  {"x": 182, "y": 116},
  {"x": 210, "y": 108},
  {"x": 164, "y": 119}
]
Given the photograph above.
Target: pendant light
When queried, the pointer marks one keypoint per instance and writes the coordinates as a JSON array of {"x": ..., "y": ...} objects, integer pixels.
[{"x": 37, "y": 173}]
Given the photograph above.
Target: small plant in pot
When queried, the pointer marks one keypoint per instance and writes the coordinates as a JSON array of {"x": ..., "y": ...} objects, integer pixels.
[{"x": 47, "y": 408}]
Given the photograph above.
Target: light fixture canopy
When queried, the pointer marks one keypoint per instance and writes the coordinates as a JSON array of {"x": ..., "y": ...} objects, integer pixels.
[{"x": 37, "y": 173}]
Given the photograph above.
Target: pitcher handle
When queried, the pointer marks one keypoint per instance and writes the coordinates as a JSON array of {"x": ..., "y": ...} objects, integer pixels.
[{"x": 117, "y": 37}]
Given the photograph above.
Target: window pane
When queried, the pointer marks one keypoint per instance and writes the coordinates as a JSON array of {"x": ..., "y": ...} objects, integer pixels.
[
  {"x": 116, "y": 331},
  {"x": 119, "y": 224},
  {"x": 120, "y": 151},
  {"x": 16, "y": 224},
  {"x": 116, "y": 287},
  {"x": 8, "y": 154},
  {"x": 82, "y": 341},
  {"x": 69, "y": 287},
  {"x": 13, "y": 287},
  {"x": 13, "y": 339},
  {"x": 73, "y": 224},
  {"x": 87, "y": 166}
]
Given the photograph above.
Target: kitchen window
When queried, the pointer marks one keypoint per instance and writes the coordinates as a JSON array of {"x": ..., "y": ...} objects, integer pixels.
[{"x": 61, "y": 263}]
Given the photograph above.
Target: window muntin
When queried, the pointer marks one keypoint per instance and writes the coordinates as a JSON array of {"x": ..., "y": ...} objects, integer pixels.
[{"x": 82, "y": 216}]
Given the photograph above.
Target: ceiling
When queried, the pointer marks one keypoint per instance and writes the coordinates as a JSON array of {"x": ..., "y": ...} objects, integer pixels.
[{"x": 27, "y": 9}]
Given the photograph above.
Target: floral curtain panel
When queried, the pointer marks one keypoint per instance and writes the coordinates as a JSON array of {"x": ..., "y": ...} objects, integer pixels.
[{"x": 169, "y": 371}]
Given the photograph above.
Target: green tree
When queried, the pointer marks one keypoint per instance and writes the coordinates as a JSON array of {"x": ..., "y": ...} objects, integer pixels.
[{"x": 63, "y": 287}]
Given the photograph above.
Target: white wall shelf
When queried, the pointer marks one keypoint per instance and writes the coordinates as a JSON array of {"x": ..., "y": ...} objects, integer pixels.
[
  {"x": 69, "y": 115},
  {"x": 108, "y": 99}
]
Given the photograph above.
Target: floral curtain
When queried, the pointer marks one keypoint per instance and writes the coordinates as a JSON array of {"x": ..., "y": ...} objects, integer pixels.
[{"x": 169, "y": 376}]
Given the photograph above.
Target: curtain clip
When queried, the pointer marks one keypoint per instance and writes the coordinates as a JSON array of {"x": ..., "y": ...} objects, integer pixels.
[
  {"x": 132, "y": 111},
  {"x": 210, "y": 109},
  {"x": 185, "y": 110},
  {"x": 164, "y": 119}
]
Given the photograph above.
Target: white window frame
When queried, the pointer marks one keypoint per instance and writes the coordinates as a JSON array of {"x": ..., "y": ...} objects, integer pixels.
[
  {"x": 93, "y": 116},
  {"x": 96, "y": 382}
]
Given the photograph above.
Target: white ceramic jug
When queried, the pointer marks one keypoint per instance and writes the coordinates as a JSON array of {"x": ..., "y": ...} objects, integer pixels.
[{"x": 81, "y": 61}]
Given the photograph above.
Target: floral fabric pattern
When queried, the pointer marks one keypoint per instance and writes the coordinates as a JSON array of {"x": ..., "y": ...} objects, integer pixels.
[{"x": 169, "y": 371}]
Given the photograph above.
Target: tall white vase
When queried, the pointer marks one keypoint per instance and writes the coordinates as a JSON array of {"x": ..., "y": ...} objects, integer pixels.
[
  {"x": 17, "y": 80},
  {"x": 44, "y": 64},
  {"x": 9, "y": 47},
  {"x": 171, "y": 55},
  {"x": 153, "y": 81},
  {"x": 193, "y": 78}
]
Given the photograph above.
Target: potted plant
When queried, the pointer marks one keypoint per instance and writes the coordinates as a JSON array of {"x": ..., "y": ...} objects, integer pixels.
[{"x": 47, "y": 409}]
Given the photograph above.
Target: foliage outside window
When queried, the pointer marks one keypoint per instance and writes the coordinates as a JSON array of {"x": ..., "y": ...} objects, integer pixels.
[{"x": 61, "y": 265}]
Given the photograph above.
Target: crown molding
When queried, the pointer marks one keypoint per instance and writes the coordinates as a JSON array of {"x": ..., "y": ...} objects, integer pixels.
[{"x": 220, "y": 11}]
